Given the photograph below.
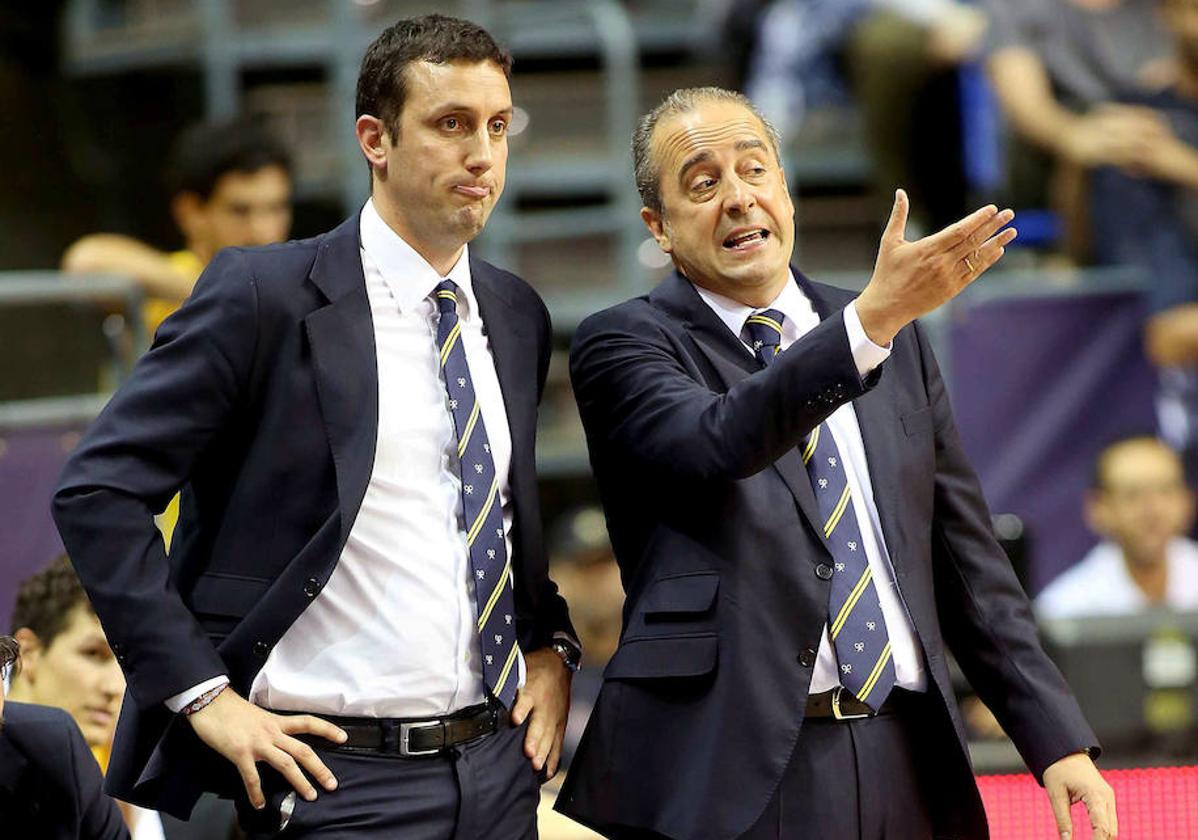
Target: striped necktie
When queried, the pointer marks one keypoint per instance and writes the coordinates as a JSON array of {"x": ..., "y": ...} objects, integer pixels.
[
  {"x": 483, "y": 513},
  {"x": 855, "y": 621}
]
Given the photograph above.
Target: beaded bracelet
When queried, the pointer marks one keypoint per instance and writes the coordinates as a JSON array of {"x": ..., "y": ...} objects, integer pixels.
[{"x": 203, "y": 700}]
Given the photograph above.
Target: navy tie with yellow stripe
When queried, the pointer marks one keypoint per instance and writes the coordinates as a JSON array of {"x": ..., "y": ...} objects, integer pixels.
[
  {"x": 483, "y": 512},
  {"x": 855, "y": 621}
]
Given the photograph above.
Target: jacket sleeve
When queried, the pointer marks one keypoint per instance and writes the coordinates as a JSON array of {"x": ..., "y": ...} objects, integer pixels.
[
  {"x": 641, "y": 402},
  {"x": 984, "y": 613},
  {"x": 553, "y": 615},
  {"x": 136, "y": 455}
]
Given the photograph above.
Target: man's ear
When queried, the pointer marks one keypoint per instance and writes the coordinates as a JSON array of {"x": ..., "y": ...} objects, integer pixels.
[
  {"x": 657, "y": 227},
  {"x": 186, "y": 209},
  {"x": 31, "y": 652},
  {"x": 373, "y": 140}
]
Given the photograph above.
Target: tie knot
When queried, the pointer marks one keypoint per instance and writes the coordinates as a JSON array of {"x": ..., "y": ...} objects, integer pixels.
[
  {"x": 446, "y": 295},
  {"x": 763, "y": 332}
]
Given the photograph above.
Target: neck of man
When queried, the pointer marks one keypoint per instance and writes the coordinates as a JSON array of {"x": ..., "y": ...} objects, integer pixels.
[
  {"x": 20, "y": 691},
  {"x": 442, "y": 256},
  {"x": 200, "y": 250},
  {"x": 757, "y": 296},
  {"x": 1150, "y": 573}
]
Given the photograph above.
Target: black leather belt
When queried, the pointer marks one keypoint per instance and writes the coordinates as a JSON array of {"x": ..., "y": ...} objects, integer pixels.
[
  {"x": 410, "y": 737},
  {"x": 842, "y": 705}
]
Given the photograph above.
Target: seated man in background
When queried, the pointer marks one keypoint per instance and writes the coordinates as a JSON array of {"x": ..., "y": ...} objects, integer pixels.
[
  {"x": 230, "y": 185},
  {"x": 67, "y": 662},
  {"x": 50, "y": 788},
  {"x": 1058, "y": 67},
  {"x": 1142, "y": 508}
]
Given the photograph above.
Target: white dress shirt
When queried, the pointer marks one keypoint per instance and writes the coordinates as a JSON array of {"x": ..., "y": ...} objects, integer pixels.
[
  {"x": 393, "y": 631},
  {"x": 1101, "y": 585},
  {"x": 801, "y": 317}
]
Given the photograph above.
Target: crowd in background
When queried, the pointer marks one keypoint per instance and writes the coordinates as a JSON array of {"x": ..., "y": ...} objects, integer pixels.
[{"x": 1099, "y": 99}]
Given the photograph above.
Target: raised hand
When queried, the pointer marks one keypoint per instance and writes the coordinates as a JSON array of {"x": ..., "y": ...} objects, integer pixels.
[
  {"x": 911, "y": 279},
  {"x": 245, "y": 734}
]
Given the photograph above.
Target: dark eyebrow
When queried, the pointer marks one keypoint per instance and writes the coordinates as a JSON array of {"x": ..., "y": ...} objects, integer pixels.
[
  {"x": 457, "y": 107},
  {"x": 694, "y": 160}
]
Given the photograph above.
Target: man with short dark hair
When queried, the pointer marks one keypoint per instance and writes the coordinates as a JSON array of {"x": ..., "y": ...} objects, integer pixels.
[
  {"x": 799, "y": 532},
  {"x": 50, "y": 786},
  {"x": 1141, "y": 507},
  {"x": 230, "y": 186},
  {"x": 357, "y": 597}
]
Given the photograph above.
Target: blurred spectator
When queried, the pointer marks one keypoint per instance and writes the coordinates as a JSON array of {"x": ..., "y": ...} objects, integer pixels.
[
  {"x": 67, "y": 662},
  {"x": 900, "y": 56},
  {"x": 1146, "y": 216},
  {"x": 1142, "y": 508},
  {"x": 50, "y": 788},
  {"x": 585, "y": 570},
  {"x": 1059, "y": 68},
  {"x": 230, "y": 185}
]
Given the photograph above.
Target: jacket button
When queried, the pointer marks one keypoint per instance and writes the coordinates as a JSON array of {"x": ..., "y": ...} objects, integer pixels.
[
  {"x": 261, "y": 649},
  {"x": 311, "y": 587},
  {"x": 823, "y": 571},
  {"x": 807, "y": 658}
]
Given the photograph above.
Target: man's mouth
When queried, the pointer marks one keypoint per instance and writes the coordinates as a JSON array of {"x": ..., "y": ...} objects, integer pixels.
[
  {"x": 742, "y": 240},
  {"x": 473, "y": 191}
]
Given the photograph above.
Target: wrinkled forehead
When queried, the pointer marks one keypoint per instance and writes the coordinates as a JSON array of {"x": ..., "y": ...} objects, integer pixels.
[{"x": 711, "y": 127}]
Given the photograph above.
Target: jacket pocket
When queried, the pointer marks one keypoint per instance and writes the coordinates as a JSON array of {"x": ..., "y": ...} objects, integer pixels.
[
  {"x": 227, "y": 596},
  {"x": 654, "y": 657},
  {"x": 681, "y": 596},
  {"x": 918, "y": 422}
]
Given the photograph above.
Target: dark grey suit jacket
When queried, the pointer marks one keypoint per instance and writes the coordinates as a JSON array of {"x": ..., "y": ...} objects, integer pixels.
[{"x": 717, "y": 533}]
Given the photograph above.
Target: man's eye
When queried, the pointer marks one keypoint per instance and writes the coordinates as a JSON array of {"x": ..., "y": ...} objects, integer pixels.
[
  {"x": 704, "y": 183},
  {"x": 498, "y": 127},
  {"x": 451, "y": 123}
]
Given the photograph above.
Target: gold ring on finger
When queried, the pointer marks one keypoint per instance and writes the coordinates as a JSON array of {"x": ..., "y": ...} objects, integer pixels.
[{"x": 969, "y": 265}]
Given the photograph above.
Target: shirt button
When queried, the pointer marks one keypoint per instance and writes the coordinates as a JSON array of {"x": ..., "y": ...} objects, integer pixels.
[
  {"x": 311, "y": 587},
  {"x": 807, "y": 658},
  {"x": 261, "y": 649},
  {"x": 823, "y": 571}
]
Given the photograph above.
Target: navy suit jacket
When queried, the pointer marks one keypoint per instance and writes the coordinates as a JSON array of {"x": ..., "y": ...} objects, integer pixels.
[
  {"x": 259, "y": 399},
  {"x": 50, "y": 784},
  {"x": 717, "y": 532}
]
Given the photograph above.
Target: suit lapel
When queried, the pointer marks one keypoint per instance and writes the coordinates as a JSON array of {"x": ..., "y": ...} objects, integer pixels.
[
  {"x": 513, "y": 348},
  {"x": 731, "y": 362},
  {"x": 341, "y": 335}
]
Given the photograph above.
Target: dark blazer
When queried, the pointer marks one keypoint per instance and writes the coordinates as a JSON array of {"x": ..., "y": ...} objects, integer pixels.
[
  {"x": 50, "y": 784},
  {"x": 260, "y": 399},
  {"x": 716, "y": 530}
]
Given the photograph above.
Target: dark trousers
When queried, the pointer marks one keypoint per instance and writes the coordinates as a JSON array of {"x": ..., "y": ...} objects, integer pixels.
[
  {"x": 484, "y": 790},
  {"x": 853, "y": 780}
]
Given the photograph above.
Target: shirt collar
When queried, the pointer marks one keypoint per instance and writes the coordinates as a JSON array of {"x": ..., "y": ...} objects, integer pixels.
[
  {"x": 408, "y": 275},
  {"x": 791, "y": 302}
]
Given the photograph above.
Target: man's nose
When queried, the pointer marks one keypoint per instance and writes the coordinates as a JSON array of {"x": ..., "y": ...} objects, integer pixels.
[
  {"x": 480, "y": 155},
  {"x": 738, "y": 198}
]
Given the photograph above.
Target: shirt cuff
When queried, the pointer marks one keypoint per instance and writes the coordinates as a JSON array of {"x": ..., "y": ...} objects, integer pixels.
[
  {"x": 177, "y": 703},
  {"x": 866, "y": 354}
]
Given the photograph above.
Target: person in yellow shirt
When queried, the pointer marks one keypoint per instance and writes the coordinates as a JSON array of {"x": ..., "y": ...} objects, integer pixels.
[{"x": 230, "y": 186}]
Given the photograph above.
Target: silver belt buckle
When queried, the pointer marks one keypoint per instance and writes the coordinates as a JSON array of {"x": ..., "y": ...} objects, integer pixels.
[
  {"x": 839, "y": 715},
  {"x": 405, "y": 735}
]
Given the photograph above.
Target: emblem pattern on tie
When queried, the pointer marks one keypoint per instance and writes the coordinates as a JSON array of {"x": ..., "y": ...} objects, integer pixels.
[
  {"x": 855, "y": 621},
  {"x": 483, "y": 513}
]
